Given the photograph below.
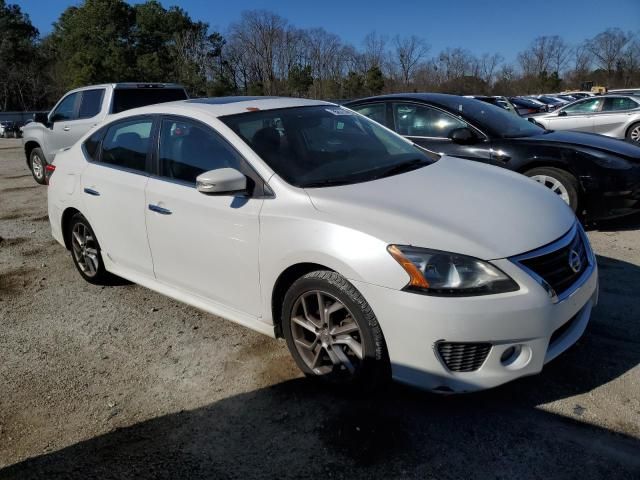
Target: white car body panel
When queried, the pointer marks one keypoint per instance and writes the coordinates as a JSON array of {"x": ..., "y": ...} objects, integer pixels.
[{"x": 225, "y": 254}]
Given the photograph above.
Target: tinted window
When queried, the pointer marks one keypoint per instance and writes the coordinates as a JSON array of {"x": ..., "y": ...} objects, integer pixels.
[
  {"x": 66, "y": 109},
  {"x": 126, "y": 144},
  {"x": 188, "y": 149},
  {"x": 422, "y": 121},
  {"x": 128, "y": 98},
  {"x": 92, "y": 143},
  {"x": 91, "y": 103},
  {"x": 376, "y": 112},
  {"x": 585, "y": 106},
  {"x": 613, "y": 104},
  {"x": 325, "y": 145}
]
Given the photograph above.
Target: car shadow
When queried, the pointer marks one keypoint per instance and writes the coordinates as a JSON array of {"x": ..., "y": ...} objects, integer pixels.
[
  {"x": 630, "y": 222},
  {"x": 300, "y": 428}
]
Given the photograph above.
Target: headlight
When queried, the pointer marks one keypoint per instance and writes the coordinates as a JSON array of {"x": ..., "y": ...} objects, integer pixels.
[{"x": 448, "y": 274}]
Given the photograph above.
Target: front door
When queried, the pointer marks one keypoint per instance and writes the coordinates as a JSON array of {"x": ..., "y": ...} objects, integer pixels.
[{"x": 206, "y": 245}]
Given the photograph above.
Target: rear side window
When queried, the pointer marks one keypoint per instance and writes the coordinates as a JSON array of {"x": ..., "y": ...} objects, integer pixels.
[
  {"x": 126, "y": 144},
  {"x": 91, "y": 103},
  {"x": 421, "y": 121},
  {"x": 188, "y": 149},
  {"x": 614, "y": 104},
  {"x": 128, "y": 98}
]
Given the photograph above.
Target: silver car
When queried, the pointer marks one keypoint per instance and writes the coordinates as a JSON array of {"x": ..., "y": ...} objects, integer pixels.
[{"x": 615, "y": 116}]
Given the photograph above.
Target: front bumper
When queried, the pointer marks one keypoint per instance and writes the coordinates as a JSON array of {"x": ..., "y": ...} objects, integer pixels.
[
  {"x": 616, "y": 194},
  {"x": 527, "y": 319}
]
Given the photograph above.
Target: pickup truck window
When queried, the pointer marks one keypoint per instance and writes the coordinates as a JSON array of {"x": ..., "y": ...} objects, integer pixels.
[
  {"x": 66, "y": 110},
  {"x": 128, "y": 98},
  {"x": 91, "y": 103}
]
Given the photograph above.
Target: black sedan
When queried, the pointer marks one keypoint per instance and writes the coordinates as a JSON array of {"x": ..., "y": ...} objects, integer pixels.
[
  {"x": 599, "y": 177},
  {"x": 527, "y": 107}
]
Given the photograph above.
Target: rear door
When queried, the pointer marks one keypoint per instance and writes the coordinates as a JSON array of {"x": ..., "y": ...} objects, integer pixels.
[
  {"x": 614, "y": 115},
  {"x": 113, "y": 188}
]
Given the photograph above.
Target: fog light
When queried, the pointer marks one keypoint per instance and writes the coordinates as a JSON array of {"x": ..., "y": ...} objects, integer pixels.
[
  {"x": 516, "y": 357},
  {"x": 507, "y": 355}
]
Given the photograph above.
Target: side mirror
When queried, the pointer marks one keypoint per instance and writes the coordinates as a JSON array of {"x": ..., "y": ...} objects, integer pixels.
[
  {"x": 222, "y": 181},
  {"x": 41, "y": 117},
  {"x": 562, "y": 113},
  {"x": 463, "y": 136}
]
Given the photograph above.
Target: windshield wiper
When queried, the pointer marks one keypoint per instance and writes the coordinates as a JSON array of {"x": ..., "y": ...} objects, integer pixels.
[{"x": 403, "y": 167}]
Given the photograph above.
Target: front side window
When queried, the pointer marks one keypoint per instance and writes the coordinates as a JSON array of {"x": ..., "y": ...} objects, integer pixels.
[
  {"x": 188, "y": 149},
  {"x": 126, "y": 144},
  {"x": 91, "y": 103},
  {"x": 375, "y": 111},
  {"x": 586, "y": 106},
  {"x": 618, "y": 103},
  {"x": 66, "y": 110},
  {"x": 325, "y": 145},
  {"x": 415, "y": 120}
]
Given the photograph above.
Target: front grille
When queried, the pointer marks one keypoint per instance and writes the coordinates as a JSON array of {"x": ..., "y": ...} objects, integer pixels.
[
  {"x": 463, "y": 357},
  {"x": 555, "y": 267}
]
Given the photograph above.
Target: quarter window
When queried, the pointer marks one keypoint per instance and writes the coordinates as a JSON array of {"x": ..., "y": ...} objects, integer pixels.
[
  {"x": 126, "y": 144},
  {"x": 91, "y": 103},
  {"x": 92, "y": 143},
  {"x": 188, "y": 149},
  {"x": 421, "y": 121},
  {"x": 622, "y": 103},
  {"x": 376, "y": 112},
  {"x": 66, "y": 110}
]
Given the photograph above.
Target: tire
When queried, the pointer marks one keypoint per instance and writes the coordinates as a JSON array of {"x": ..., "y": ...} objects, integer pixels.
[
  {"x": 37, "y": 164},
  {"x": 558, "y": 181},
  {"x": 86, "y": 253},
  {"x": 350, "y": 325},
  {"x": 633, "y": 133}
]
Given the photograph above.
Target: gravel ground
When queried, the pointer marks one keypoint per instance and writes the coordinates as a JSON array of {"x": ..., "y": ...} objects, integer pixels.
[{"x": 120, "y": 382}]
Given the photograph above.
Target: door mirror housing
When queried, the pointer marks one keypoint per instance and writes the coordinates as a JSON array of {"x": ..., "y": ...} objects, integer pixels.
[
  {"x": 222, "y": 181},
  {"x": 41, "y": 117},
  {"x": 562, "y": 113},
  {"x": 463, "y": 136}
]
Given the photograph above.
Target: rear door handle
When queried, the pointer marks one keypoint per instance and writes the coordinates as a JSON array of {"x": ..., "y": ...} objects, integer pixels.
[
  {"x": 91, "y": 191},
  {"x": 66, "y": 129},
  {"x": 159, "y": 209}
]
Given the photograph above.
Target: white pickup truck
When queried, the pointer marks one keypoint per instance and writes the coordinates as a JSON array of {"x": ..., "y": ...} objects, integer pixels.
[{"x": 80, "y": 110}]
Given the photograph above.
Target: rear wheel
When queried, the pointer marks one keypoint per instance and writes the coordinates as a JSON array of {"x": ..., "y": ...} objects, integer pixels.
[
  {"x": 559, "y": 181},
  {"x": 633, "y": 134},
  {"x": 85, "y": 251},
  {"x": 332, "y": 333},
  {"x": 37, "y": 164}
]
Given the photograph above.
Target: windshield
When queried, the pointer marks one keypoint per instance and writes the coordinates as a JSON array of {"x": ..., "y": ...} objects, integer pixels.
[
  {"x": 495, "y": 120},
  {"x": 326, "y": 145}
]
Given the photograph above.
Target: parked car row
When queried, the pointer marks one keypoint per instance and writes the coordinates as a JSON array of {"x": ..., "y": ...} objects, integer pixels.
[
  {"x": 377, "y": 238},
  {"x": 10, "y": 129}
]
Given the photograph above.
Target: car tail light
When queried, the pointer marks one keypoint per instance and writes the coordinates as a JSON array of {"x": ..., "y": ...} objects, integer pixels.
[{"x": 48, "y": 171}]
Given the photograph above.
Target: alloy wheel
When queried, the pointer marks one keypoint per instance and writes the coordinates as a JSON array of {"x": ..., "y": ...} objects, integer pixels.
[
  {"x": 554, "y": 185},
  {"x": 85, "y": 249},
  {"x": 635, "y": 134},
  {"x": 37, "y": 167},
  {"x": 325, "y": 334}
]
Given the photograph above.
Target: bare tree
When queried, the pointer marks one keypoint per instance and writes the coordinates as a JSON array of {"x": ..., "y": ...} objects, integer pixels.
[
  {"x": 607, "y": 48},
  {"x": 488, "y": 65},
  {"x": 409, "y": 52},
  {"x": 373, "y": 51}
]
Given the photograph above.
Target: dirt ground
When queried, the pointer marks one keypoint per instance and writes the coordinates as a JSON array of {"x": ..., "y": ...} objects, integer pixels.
[{"x": 120, "y": 382}]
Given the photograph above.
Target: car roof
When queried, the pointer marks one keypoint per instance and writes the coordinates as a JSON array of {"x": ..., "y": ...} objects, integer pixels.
[
  {"x": 435, "y": 98},
  {"x": 221, "y": 106}
]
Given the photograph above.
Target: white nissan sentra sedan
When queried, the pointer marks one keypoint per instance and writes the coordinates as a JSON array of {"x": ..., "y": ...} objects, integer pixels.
[{"x": 304, "y": 220}]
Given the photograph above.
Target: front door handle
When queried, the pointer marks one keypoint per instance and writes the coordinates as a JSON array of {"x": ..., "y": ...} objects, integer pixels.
[
  {"x": 91, "y": 191},
  {"x": 66, "y": 129},
  {"x": 159, "y": 209}
]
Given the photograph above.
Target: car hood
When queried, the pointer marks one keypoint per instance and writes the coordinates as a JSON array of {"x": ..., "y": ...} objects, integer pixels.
[
  {"x": 453, "y": 205},
  {"x": 589, "y": 140}
]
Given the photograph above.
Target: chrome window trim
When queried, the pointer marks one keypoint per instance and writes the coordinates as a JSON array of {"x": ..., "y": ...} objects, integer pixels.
[{"x": 562, "y": 242}]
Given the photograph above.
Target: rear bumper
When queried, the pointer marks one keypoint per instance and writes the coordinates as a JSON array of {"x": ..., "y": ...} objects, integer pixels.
[{"x": 527, "y": 320}]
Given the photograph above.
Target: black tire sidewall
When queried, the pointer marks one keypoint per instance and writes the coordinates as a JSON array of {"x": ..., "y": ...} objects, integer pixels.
[
  {"x": 628, "y": 135},
  {"x": 569, "y": 181},
  {"x": 375, "y": 363},
  {"x": 101, "y": 275},
  {"x": 37, "y": 151}
]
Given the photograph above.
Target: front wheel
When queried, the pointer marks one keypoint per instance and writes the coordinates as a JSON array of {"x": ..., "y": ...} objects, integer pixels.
[
  {"x": 633, "y": 134},
  {"x": 559, "y": 181},
  {"x": 332, "y": 333}
]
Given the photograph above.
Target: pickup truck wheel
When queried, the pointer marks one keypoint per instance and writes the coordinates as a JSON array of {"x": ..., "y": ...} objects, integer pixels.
[
  {"x": 332, "y": 332},
  {"x": 37, "y": 164},
  {"x": 559, "y": 181}
]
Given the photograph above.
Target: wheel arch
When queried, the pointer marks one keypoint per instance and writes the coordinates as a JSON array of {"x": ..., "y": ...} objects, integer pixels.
[
  {"x": 531, "y": 163},
  {"x": 629, "y": 128},
  {"x": 29, "y": 146},
  {"x": 282, "y": 285},
  {"x": 67, "y": 215}
]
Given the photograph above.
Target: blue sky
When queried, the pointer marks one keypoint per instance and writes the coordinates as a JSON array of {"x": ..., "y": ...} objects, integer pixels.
[{"x": 504, "y": 26}]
